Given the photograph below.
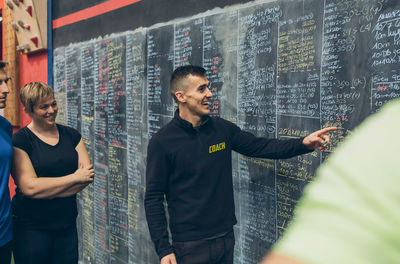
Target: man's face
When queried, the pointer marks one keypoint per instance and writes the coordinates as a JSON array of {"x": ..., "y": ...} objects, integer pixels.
[
  {"x": 196, "y": 96},
  {"x": 3, "y": 88}
]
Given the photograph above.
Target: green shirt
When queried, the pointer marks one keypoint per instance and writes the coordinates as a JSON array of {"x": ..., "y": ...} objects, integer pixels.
[{"x": 351, "y": 212}]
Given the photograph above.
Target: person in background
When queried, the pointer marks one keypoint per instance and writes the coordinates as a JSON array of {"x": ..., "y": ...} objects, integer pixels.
[
  {"x": 350, "y": 213},
  {"x": 189, "y": 162},
  {"x": 50, "y": 165},
  {"x": 5, "y": 165}
]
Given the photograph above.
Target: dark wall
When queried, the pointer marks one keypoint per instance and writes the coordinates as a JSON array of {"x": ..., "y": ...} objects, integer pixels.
[
  {"x": 141, "y": 14},
  {"x": 62, "y": 8}
]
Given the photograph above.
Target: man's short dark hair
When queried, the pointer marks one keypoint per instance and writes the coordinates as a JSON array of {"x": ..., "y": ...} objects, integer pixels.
[{"x": 181, "y": 73}]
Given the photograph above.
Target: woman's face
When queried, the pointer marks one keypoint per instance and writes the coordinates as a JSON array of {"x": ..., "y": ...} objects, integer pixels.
[{"x": 45, "y": 112}]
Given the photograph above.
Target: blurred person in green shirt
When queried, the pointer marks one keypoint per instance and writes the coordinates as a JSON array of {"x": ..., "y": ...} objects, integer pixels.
[{"x": 351, "y": 212}]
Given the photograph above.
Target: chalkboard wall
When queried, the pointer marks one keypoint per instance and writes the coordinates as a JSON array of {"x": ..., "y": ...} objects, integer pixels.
[
  {"x": 278, "y": 69},
  {"x": 143, "y": 13}
]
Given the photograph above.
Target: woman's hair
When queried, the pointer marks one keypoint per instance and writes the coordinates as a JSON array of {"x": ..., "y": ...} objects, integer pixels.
[{"x": 33, "y": 93}]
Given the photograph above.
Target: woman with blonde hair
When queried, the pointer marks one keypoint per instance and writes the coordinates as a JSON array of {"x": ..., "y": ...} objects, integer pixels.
[{"x": 50, "y": 166}]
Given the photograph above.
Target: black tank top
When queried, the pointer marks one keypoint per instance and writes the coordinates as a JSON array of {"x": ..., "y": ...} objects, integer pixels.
[{"x": 48, "y": 161}]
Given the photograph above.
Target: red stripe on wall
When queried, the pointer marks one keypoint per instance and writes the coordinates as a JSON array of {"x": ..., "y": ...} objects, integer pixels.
[{"x": 93, "y": 11}]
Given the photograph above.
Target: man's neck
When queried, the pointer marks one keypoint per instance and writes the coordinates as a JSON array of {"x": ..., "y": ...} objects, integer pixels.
[{"x": 193, "y": 119}]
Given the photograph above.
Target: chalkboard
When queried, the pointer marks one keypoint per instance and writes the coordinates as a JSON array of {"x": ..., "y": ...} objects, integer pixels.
[
  {"x": 279, "y": 69},
  {"x": 142, "y": 13}
]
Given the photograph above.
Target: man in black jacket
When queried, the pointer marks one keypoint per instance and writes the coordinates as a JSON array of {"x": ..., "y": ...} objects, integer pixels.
[{"x": 189, "y": 162}]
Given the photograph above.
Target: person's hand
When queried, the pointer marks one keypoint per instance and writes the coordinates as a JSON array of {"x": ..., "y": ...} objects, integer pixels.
[
  {"x": 168, "y": 259},
  {"x": 318, "y": 139},
  {"x": 84, "y": 174}
]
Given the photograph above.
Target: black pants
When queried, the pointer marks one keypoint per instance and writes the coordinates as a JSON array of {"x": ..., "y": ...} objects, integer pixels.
[
  {"x": 5, "y": 253},
  {"x": 32, "y": 246},
  {"x": 213, "y": 251}
]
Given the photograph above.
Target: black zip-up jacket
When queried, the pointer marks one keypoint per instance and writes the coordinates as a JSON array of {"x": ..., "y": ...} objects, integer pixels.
[{"x": 192, "y": 167}]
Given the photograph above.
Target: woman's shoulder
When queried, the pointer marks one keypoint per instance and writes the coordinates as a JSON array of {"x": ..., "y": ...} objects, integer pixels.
[
  {"x": 22, "y": 139},
  {"x": 23, "y": 133},
  {"x": 67, "y": 129},
  {"x": 70, "y": 132}
]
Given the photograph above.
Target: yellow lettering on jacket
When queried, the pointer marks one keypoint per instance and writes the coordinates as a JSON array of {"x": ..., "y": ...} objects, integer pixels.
[{"x": 216, "y": 147}]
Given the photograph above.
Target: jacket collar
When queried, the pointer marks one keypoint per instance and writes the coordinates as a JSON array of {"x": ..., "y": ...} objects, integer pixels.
[{"x": 186, "y": 124}]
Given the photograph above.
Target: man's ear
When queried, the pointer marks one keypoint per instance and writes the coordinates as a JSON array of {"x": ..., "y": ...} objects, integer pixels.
[{"x": 180, "y": 96}]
